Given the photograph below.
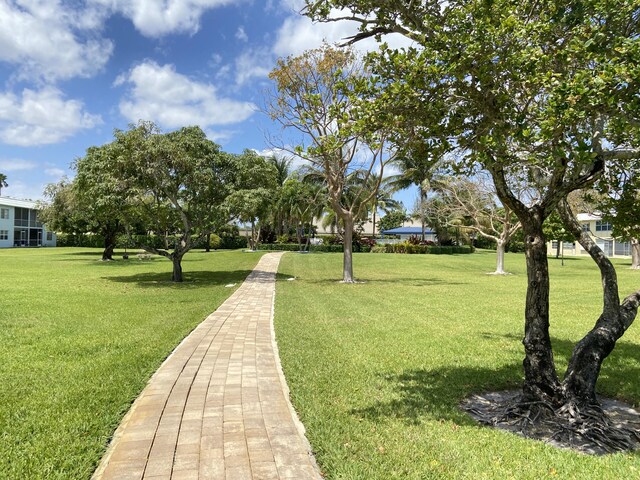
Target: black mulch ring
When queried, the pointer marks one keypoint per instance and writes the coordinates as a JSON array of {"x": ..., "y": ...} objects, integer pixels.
[{"x": 617, "y": 430}]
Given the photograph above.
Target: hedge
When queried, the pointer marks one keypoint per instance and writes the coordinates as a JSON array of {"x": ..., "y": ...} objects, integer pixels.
[
  {"x": 431, "y": 249},
  {"x": 154, "y": 241},
  {"x": 294, "y": 247}
]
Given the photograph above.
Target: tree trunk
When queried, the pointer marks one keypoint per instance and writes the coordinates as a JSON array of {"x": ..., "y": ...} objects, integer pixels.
[
  {"x": 207, "y": 247},
  {"x": 579, "y": 383},
  {"x": 109, "y": 245},
  {"x": 635, "y": 253},
  {"x": 347, "y": 259},
  {"x": 176, "y": 259},
  {"x": 374, "y": 223},
  {"x": 500, "y": 247},
  {"x": 541, "y": 380},
  {"x": 558, "y": 249}
]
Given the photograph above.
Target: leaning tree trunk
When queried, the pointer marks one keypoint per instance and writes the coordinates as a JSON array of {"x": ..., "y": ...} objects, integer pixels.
[
  {"x": 347, "y": 259},
  {"x": 541, "y": 379},
  {"x": 635, "y": 253},
  {"x": 586, "y": 360},
  {"x": 109, "y": 245}
]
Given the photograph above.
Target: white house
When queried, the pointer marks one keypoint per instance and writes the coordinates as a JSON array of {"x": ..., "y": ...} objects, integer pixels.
[
  {"x": 601, "y": 232},
  {"x": 20, "y": 227}
]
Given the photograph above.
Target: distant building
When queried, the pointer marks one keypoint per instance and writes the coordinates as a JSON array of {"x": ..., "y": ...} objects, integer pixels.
[
  {"x": 20, "y": 227},
  {"x": 407, "y": 232},
  {"x": 600, "y": 231}
]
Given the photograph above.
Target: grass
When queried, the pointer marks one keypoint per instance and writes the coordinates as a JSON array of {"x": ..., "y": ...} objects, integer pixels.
[
  {"x": 81, "y": 337},
  {"x": 377, "y": 370}
]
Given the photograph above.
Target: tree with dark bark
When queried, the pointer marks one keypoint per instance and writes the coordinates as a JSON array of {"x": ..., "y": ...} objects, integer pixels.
[
  {"x": 316, "y": 95},
  {"x": 541, "y": 91}
]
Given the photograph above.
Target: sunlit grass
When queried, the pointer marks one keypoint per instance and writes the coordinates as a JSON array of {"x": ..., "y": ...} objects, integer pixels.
[
  {"x": 377, "y": 370},
  {"x": 81, "y": 337}
]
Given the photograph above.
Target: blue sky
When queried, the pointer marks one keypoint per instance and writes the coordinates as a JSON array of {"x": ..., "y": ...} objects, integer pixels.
[{"x": 73, "y": 70}]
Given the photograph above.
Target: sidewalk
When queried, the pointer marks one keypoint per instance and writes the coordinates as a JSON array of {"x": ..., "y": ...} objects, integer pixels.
[{"x": 218, "y": 407}]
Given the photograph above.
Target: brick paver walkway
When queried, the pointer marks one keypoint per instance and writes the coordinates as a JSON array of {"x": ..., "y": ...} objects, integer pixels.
[{"x": 218, "y": 407}]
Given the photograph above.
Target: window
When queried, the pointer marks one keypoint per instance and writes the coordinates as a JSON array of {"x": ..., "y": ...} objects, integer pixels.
[
  {"x": 4, "y": 234},
  {"x": 4, "y": 213},
  {"x": 49, "y": 236},
  {"x": 602, "y": 226},
  {"x": 585, "y": 227}
]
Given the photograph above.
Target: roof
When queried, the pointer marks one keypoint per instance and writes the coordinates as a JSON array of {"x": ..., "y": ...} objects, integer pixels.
[
  {"x": 407, "y": 231},
  {"x": 585, "y": 217},
  {"x": 14, "y": 202}
]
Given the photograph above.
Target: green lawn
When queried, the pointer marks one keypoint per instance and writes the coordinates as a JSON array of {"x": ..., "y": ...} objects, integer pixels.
[
  {"x": 81, "y": 337},
  {"x": 377, "y": 370}
]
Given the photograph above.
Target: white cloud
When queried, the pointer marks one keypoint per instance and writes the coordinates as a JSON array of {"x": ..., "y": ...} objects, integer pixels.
[
  {"x": 161, "y": 94},
  {"x": 41, "y": 117},
  {"x": 48, "y": 40},
  {"x": 256, "y": 63},
  {"x": 55, "y": 172},
  {"x": 155, "y": 18},
  {"x": 15, "y": 165},
  {"x": 242, "y": 35}
]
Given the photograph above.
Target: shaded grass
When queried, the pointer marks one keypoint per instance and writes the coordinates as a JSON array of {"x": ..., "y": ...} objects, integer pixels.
[
  {"x": 81, "y": 337},
  {"x": 377, "y": 370}
]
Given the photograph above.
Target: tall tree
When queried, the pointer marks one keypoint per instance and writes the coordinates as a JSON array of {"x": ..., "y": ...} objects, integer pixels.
[
  {"x": 3, "y": 182},
  {"x": 544, "y": 90},
  {"x": 314, "y": 95}
]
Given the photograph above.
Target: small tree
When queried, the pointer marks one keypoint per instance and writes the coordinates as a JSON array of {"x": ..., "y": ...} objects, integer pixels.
[
  {"x": 178, "y": 180},
  {"x": 474, "y": 201},
  {"x": 314, "y": 95},
  {"x": 255, "y": 190}
]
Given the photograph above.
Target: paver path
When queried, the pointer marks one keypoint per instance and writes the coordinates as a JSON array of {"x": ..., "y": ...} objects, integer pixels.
[{"x": 218, "y": 407}]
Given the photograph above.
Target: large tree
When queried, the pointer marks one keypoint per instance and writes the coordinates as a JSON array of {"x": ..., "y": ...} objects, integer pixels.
[
  {"x": 544, "y": 91},
  {"x": 314, "y": 95},
  {"x": 178, "y": 180}
]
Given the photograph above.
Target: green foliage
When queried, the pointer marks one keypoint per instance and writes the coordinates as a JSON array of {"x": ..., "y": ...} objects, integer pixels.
[
  {"x": 411, "y": 248},
  {"x": 392, "y": 219},
  {"x": 327, "y": 248}
]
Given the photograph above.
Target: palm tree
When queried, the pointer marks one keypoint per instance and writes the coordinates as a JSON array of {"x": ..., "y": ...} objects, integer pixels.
[
  {"x": 283, "y": 172},
  {"x": 3, "y": 182},
  {"x": 415, "y": 170},
  {"x": 383, "y": 198}
]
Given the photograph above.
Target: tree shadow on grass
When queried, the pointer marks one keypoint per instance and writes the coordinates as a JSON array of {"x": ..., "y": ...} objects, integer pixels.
[
  {"x": 435, "y": 394},
  {"x": 406, "y": 282},
  {"x": 191, "y": 279}
]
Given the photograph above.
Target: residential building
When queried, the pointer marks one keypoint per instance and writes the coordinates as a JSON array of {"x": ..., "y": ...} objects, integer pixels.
[
  {"x": 600, "y": 231},
  {"x": 20, "y": 227}
]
